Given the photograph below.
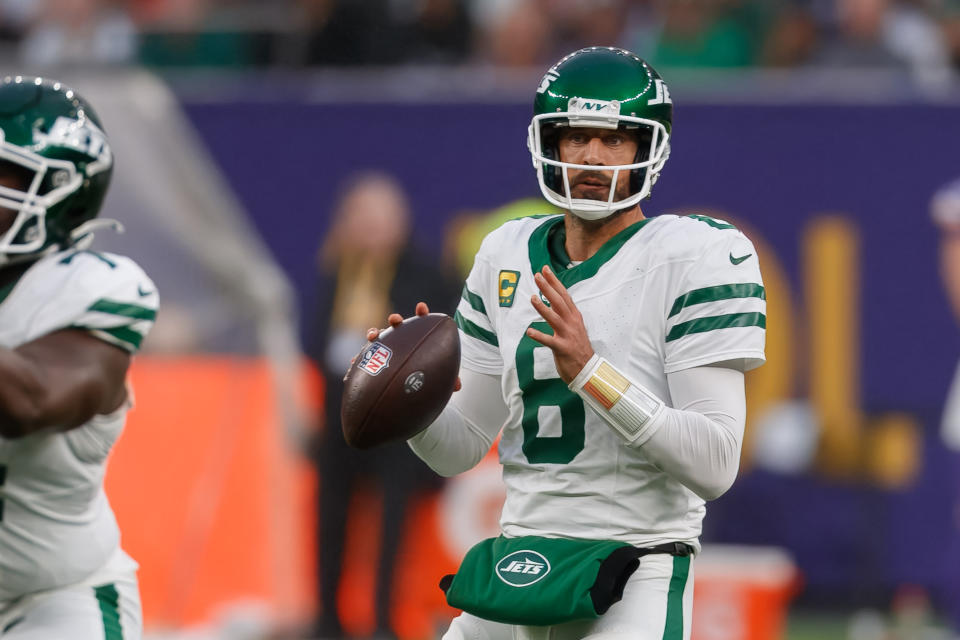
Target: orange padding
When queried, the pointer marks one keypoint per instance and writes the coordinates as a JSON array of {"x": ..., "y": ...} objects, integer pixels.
[{"x": 217, "y": 507}]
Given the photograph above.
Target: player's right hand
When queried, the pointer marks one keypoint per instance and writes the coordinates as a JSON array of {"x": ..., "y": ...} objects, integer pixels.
[{"x": 394, "y": 320}]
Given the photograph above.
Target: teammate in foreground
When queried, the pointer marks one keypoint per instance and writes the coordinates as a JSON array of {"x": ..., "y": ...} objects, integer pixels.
[
  {"x": 611, "y": 350},
  {"x": 70, "y": 319}
]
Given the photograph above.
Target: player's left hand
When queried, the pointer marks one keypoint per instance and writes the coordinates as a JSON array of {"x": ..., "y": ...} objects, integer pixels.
[
  {"x": 570, "y": 343},
  {"x": 395, "y": 320}
]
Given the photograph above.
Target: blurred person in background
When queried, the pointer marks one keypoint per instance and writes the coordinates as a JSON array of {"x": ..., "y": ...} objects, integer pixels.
[
  {"x": 945, "y": 211},
  {"x": 581, "y": 23},
  {"x": 437, "y": 32},
  {"x": 349, "y": 33},
  {"x": 16, "y": 16},
  {"x": 792, "y": 36},
  {"x": 75, "y": 32},
  {"x": 703, "y": 33},
  {"x": 885, "y": 34},
  {"x": 950, "y": 24},
  {"x": 368, "y": 268},
  {"x": 518, "y": 36},
  {"x": 608, "y": 351},
  {"x": 199, "y": 33},
  {"x": 70, "y": 321}
]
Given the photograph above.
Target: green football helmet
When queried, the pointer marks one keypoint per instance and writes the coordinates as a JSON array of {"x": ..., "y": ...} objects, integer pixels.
[
  {"x": 52, "y": 140},
  {"x": 606, "y": 88}
]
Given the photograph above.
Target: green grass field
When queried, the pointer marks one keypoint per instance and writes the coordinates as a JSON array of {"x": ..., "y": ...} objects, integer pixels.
[{"x": 809, "y": 626}]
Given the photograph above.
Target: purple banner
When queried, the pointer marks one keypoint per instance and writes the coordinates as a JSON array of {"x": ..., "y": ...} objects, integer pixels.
[{"x": 878, "y": 508}]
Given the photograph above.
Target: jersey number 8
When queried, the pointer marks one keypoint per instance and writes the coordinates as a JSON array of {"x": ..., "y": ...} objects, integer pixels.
[{"x": 552, "y": 392}]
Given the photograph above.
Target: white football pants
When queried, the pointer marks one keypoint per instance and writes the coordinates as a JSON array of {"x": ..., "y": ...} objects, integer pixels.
[
  {"x": 657, "y": 604},
  {"x": 106, "y": 606}
]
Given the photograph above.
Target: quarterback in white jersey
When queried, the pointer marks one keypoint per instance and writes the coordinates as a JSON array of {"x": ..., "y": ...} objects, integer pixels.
[
  {"x": 608, "y": 351},
  {"x": 70, "y": 320}
]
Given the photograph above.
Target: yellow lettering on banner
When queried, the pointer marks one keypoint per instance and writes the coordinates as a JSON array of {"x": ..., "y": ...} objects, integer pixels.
[
  {"x": 883, "y": 449},
  {"x": 831, "y": 257},
  {"x": 775, "y": 381},
  {"x": 824, "y": 342}
]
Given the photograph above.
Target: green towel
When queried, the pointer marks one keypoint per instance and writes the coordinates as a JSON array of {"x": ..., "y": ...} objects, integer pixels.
[{"x": 541, "y": 581}]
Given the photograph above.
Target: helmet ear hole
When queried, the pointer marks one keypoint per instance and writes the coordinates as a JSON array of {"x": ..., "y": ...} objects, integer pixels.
[
  {"x": 16, "y": 175},
  {"x": 551, "y": 173},
  {"x": 637, "y": 176}
]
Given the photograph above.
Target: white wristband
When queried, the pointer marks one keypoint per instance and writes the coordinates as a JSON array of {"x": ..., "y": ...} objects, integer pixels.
[{"x": 626, "y": 406}]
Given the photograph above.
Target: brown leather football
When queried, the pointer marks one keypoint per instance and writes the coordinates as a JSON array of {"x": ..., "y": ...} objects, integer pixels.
[{"x": 400, "y": 383}]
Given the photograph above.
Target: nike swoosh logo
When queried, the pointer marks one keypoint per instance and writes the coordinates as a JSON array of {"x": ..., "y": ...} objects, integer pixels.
[
  {"x": 144, "y": 294},
  {"x": 740, "y": 259}
]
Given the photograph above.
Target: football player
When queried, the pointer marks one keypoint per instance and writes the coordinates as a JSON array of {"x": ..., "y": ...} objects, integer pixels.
[
  {"x": 610, "y": 350},
  {"x": 70, "y": 320}
]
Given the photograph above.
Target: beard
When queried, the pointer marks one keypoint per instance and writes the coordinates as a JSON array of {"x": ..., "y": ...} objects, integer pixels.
[{"x": 599, "y": 189}]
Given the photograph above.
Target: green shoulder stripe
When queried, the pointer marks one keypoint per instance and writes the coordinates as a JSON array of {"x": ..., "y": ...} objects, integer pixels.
[
  {"x": 475, "y": 301},
  {"x": 475, "y": 331},
  {"x": 125, "y": 309},
  {"x": 96, "y": 254},
  {"x": 719, "y": 292},
  {"x": 711, "y": 323},
  {"x": 123, "y": 337},
  {"x": 713, "y": 222}
]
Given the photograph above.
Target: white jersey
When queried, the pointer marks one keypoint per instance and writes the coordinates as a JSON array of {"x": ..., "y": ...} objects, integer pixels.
[
  {"x": 665, "y": 294},
  {"x": 56, "y": 526}
]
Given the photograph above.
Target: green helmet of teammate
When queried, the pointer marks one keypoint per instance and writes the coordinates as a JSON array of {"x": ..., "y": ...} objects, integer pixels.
[
  {"x": 607, "y": 88},
  {"x": 52, "y": 140}
]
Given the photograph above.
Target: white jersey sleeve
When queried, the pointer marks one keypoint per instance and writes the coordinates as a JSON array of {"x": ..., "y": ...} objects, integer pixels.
[
  {"x": 718, "y": 308},
  {"x": 57, "y": 526},
  {"x": 476, "y": 313},
  {"x": 106, "y": 294}
]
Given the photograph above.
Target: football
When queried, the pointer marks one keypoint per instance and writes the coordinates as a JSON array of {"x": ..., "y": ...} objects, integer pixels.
[{"x": 400, "y": 383}]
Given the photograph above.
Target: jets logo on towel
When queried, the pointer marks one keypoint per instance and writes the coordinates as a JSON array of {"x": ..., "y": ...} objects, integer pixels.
[{"x": 522, "y": 568}]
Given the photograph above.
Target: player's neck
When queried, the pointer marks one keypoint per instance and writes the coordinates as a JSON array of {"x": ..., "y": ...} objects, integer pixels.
[{"x": 585, "y": 237}]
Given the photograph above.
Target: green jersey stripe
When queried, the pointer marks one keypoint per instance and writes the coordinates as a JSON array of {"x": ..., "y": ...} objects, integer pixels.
[
  {"x": 123, "y": 309},
  {"x": 475, "y": 331},
  {"x": 719, "y": 292},
  {"x": 713, "y": 222},
  {"x": 673, "y": 627},
  {"x": 711, "y": 323},
  {"x": 124, "y": 337},
  {"x": 125, "y": 334},
  {"x": 475, "y": 301},
  {"x": 109, "y": 601}
]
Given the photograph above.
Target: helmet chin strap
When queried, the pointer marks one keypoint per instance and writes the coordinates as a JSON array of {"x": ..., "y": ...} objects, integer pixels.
[
  {"x": 82, "y": 236},
  {"x": 592, "y": 215}
]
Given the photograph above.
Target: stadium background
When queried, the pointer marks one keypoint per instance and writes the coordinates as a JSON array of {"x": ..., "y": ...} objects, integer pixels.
[{"x": 235, "y": 124}]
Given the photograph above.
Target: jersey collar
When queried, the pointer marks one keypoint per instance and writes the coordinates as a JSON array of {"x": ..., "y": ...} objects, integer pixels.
[{"x": 542, "y": 249}]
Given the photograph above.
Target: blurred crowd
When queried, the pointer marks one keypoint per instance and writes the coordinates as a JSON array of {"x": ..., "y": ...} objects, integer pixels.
[{"x": 922, "y": 36}]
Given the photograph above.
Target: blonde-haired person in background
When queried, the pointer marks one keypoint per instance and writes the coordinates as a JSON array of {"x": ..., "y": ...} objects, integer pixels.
[{"x": 367, "y": 268}]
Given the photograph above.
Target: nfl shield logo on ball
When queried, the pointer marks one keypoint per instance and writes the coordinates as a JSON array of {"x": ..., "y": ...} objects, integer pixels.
[
  {"x": 413, "y": 383},
  {"x": 376, "y": 358}
]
